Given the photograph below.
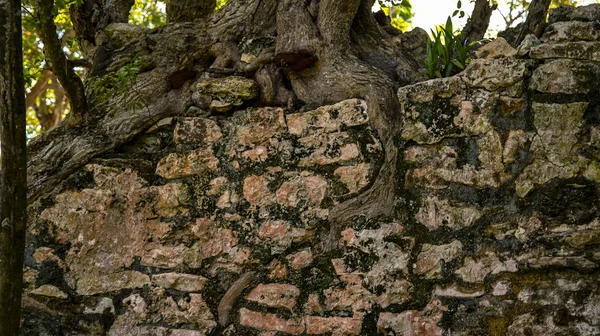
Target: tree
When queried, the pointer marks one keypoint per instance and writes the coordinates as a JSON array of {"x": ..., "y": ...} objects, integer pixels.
[
  {"x": 46, "y": 103},
  {"x": 397, "y": 14},
  {"x": 13, "y": 177},
  {"x": 316, "y": 52},
  {"x": 517, "y": 9},
  {"x": 348, "y": 48},
  {"x": 479, "y": 21}
]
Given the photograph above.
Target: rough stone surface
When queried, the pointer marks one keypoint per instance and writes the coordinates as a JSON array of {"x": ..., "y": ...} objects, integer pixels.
[
  {"x": 181, "y": 282},
  {"x": 498, "y": 48},
  {"x": 554, "y": 146},
  {"x": 429, "y": 261},
  {"x": 494, "y": 74},
  {"x": 495, "y": 228},
  {"x": 275, "y": 295},
  {"x": 587, "y": 51},
  {"x": 223, "y": 94},
  {"x": 179, "y": 165},
  {"x": 565, "y": 76},
  {"x": 571, "y": 31},
  {"x": 196, "y": 130},
  {"x": 270, "y": 322},
  {"x": 529, "y": 42}
]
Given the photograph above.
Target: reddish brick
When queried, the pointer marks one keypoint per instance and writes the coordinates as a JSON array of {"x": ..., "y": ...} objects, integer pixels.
[
  {"x": 301, "y": 259},
  {"x": 256, "y": 191},
  {"x": 275, "y": 295},
  {"x": 354, "y": 177},
  {"x": 311, "y": 188},
  {"x": 409, "y": 323},
  {"x": 316, "y": 325},
  {"x": 270, "y": 322},
  {"x": 278, "y": 270},
  {"x": 312, "y": 304}
]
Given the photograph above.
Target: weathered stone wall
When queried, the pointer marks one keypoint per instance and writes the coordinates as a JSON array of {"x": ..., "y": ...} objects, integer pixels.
[{"x": 214, "y": 224}]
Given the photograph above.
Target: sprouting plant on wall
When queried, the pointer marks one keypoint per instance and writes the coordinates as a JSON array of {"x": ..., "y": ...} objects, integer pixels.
[{"x": 447, "y": 53}]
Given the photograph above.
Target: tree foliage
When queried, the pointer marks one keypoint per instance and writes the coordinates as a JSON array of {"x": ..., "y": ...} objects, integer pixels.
[
  {"x": 46, "y": 102},
  {"x": 148, "y": 13},
  {"x": 399, "y": 11}
]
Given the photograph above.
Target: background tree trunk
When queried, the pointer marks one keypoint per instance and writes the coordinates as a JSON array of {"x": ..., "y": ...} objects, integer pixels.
[
  {"x": 479, "y": 21},
  {"x": 13, "y": 217},
  {"x": 55, "y": 56},
  {"x": 536, "y": 20}
]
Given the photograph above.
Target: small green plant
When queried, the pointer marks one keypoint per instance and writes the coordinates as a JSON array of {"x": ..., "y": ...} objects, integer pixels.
[
  {"x": 115, "y": 82},
  {"x": 447, "y": 54}
]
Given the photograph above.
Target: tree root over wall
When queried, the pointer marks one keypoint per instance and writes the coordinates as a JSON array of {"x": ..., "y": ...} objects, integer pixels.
[{"x": 329, "y": 50}]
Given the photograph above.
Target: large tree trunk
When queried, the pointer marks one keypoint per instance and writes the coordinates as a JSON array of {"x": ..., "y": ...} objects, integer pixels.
[{"x": 13, "y": 179}]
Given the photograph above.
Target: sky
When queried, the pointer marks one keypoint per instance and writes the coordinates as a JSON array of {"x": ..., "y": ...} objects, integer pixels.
[{"x": 430, "y": 13}]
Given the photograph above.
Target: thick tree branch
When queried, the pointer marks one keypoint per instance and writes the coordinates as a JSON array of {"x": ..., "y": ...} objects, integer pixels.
[
  {"x": 189, "y": 10},
  {"x": 297, "y": 41},
  {"x": 92, "y": 16},
  {"x": 374, "y": 47},
  {"x": 118, "y": 10},
  {"x": 243, "y": 19},
  {"x": 335, "y": 19},
  {"x": 79, "y": 63},
  {"x": 69, "y": 80}
]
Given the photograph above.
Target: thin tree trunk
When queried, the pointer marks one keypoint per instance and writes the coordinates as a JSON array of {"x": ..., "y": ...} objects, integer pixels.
[
  {"x": 479, "y": 21},
  {"x": 13, "y": 216},
  {"x": 40, "y": 87},
  {"x": 69, "y": 80},
  {"x": 536, "y": 20}
]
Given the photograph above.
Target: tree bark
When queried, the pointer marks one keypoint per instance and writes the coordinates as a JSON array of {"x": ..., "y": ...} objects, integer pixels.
[
  {"x": 188, "y": 11},
  {"x": 536, "y": 20},
  {"x": 297, "y": 43},
  {"x": 13, "y": 178},
  {"x": 479, "y": 21}
]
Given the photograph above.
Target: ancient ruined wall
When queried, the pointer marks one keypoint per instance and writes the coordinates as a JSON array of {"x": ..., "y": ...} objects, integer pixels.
[{"x": 216, "y": 224}]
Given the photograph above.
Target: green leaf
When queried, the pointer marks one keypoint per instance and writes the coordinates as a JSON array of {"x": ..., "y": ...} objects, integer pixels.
[{"x": 458, "y": 64}]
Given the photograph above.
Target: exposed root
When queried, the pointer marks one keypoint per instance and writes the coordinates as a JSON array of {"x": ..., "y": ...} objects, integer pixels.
[
  {"x": 229, "y": 298},
  {"x": 349, "y": 77}
]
